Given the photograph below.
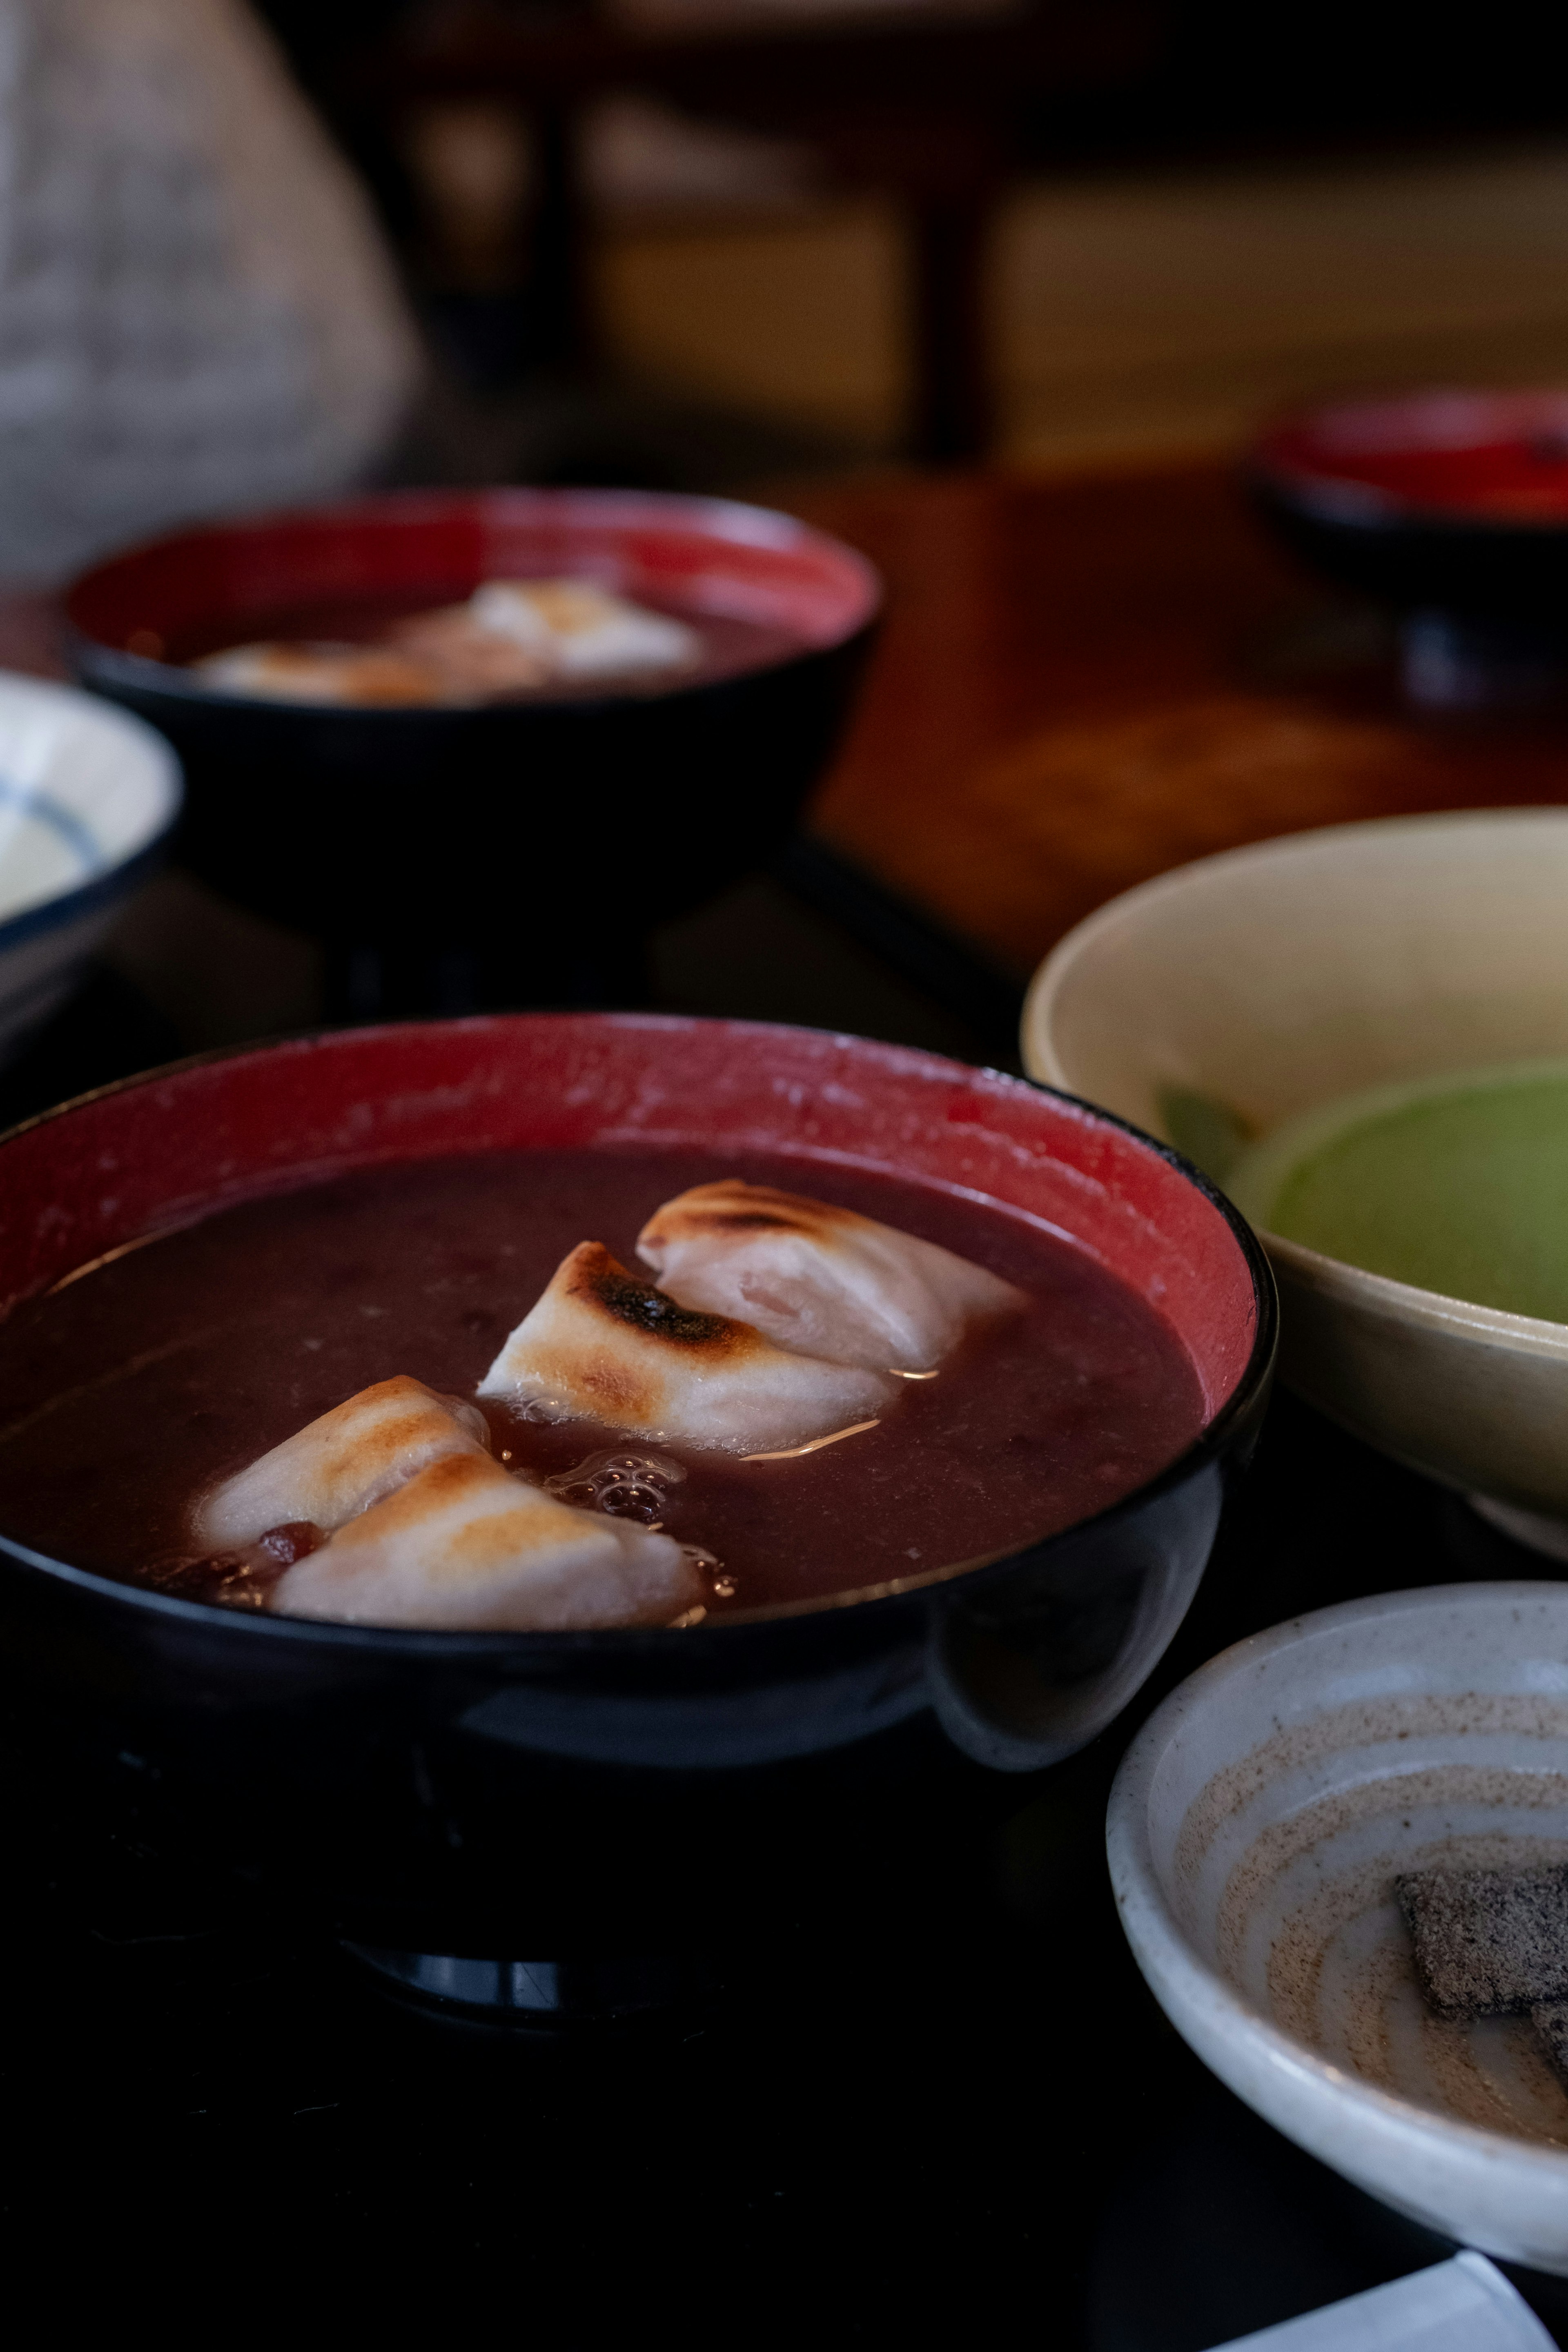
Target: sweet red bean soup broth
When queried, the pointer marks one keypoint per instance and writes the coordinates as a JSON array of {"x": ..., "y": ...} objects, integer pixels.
[{"x": 130, "y": 1388}]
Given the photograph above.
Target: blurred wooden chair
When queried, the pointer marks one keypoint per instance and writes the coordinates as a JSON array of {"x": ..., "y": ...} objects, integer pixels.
[{"x": 921, "y": 102}]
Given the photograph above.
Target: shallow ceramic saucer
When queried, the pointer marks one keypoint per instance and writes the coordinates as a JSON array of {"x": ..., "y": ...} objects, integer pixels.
[
  {"x": 1215, "y": 1003},
  {"x": 1255, "y": 1826}
]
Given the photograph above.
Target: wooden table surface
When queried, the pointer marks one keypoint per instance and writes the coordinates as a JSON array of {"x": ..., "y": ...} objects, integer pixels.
[
  {"x": 1081, "y": 684},
  {"x": 1084, "y": 683}
]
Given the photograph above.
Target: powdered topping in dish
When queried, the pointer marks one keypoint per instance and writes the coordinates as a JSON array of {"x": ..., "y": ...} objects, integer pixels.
[{"x": 1493, "y": 1943}]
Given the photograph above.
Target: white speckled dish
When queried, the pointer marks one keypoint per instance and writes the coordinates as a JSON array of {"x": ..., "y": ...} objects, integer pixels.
[{"x": 1255, "y": 1827}]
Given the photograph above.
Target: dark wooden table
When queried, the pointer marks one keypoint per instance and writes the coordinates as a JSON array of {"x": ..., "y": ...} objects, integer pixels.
[{"x": 1082, "y": 683}]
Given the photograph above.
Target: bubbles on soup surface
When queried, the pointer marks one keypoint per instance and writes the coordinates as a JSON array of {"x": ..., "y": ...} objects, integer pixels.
[{"x": 628, "y": 1485}]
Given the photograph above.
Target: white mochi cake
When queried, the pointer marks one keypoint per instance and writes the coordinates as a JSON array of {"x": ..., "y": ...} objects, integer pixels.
[
  {"x": 818, "y": 1280},
  {"x": 343, "y": 1462},
  {"x": 425, "y": 1529},
  {"x": 603, "y": 1345},
  {"x": 465, "y": 1545}
]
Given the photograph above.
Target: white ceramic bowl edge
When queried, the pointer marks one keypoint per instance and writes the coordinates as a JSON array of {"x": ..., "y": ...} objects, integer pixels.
[
  {"x": 1337, "y": 1721},
  {"x": 88, "y": 797}
]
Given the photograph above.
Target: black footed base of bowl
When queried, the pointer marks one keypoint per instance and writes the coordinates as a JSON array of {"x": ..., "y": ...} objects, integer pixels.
[
  {"x": 1454, "y": 663},
  {"x": 1418, "y": 562},
  {"x": 549, "y": 1997},
  {"x": 1483, "y": 608}
]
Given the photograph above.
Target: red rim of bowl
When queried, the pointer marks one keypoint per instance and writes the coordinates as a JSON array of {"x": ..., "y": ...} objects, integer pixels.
[
  {"x": 1243, "y": 1361},
  {"x": 716, "y": 555},
  {"x": 1472, "y": 459}
]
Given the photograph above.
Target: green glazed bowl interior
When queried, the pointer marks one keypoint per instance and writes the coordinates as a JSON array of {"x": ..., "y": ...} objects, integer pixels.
[{"x": 1215, "y": 1003}]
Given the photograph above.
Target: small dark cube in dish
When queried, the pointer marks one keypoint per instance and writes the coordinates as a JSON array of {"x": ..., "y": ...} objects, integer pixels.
[
  {"x": 1550, "y": 2018},
  {"x": 1488, "y": 1943}
]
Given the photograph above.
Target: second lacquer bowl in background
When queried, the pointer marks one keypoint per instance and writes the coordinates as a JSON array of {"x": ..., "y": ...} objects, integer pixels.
[{"x": 466, "y": 856}]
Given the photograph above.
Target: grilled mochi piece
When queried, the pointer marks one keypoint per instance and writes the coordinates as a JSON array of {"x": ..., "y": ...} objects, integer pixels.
[
  {"x": 341, "y": 1464},
  {"x": 465, "y": 1544},
  {"x": 819, "y": 1280},
  {"x": 603, "y": 1345}
]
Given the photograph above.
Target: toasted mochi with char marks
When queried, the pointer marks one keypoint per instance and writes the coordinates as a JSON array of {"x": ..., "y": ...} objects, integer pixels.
[
  {"x": 603, "y": 1345},
  {"x": 464, "y": 1544},
  {"x": 341, "y": 1463},
  {"x": 819, "y": 1280}
]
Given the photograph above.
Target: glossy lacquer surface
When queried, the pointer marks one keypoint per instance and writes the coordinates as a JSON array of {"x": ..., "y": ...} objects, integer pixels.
[
  {"x": 1454, "y": 499},
  {"x": 456, "y": 858},
  {"x": 438, "y": 1789}
]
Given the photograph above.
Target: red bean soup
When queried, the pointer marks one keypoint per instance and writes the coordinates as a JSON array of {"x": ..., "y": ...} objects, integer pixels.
[{"x": 135, "y": 1382}]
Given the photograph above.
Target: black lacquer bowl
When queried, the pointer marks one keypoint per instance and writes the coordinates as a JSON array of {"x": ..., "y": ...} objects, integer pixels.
[
  {"x": 1454, "y": 501},
  {"x": 463, "y": 858},
  {"x": 614, "y": 1790}
]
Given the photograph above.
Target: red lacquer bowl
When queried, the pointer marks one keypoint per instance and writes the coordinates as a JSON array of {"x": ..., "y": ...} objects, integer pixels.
[
  {"x": 1455, "y": 500},
  {"x": 394, "y": 1773},
  {"x": 454, "y": 859}
]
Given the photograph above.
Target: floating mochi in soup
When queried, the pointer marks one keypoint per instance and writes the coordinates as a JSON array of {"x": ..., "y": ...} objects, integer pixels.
[
  {"x": 343, "y": 1462},
  {"x": 464, "y": 1544},
  {"x": 511, "y": 636},
  {"x": 579, "y": 629},
  {"x": 603, "y": 1345},
  {"x": 280, "y": 672},
  {"x": 819, "y": 1280}
]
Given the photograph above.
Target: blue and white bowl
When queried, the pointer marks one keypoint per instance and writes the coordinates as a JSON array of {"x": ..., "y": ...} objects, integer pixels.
[{"x": 87, "y": 799}]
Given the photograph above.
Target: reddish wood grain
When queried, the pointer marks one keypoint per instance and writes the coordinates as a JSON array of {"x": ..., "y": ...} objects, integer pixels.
[{"x": 1084, "y": 683}]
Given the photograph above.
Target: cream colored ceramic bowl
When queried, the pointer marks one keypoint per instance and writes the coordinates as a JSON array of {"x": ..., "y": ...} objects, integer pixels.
[
  {"x": 1211, "y": 1004},
  {"x": 1255, "y": 1827}
]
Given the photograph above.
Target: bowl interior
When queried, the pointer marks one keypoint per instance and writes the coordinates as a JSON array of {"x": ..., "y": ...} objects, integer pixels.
[
  {"x": 153, "y": 1153},
  {"x": 1287, "y": 1782},
  {"x": 1498, "y": 458},
  {"x": 83, "y": 792},
  {"x": 1211, "y": 1004},
  {"x": 704, "y": 556}
]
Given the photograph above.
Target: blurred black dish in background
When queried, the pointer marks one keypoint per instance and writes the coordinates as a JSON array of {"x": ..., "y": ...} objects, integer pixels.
[{"x": 1452, "y": 508}]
